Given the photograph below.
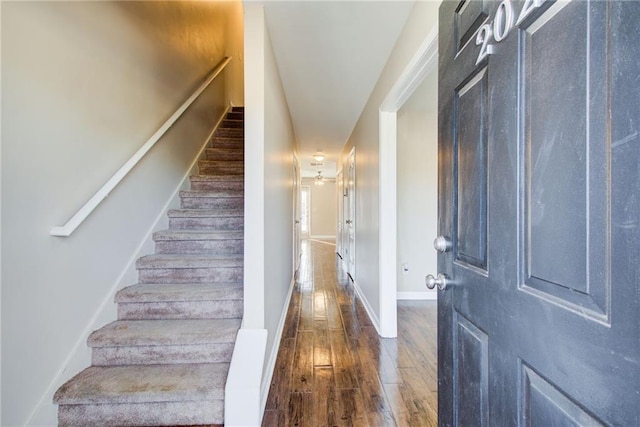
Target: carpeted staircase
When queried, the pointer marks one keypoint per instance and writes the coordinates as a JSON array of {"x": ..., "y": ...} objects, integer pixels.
[{"x": 165, "y": 360}]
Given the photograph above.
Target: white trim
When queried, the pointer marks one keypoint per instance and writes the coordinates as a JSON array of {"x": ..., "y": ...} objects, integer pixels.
[
  {"x": 388, "y": 236},
  {"x": 431, "y": 296},
  {"x": 422, "y": 62},
  {"x": 242, "y": 393},
  {"x": 80, "y": 356},
  {"x": 328, "y": 236},
  {"x": 86, "y": 210},
  {"x": 271, "y": 364},
  {"x": 367, "y": 306}
]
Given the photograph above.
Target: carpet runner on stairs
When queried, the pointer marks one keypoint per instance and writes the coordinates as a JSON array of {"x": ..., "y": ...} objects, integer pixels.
[{"x": 165, "y": 360}]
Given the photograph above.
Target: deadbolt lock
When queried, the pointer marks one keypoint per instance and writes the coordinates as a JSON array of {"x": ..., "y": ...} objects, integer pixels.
[{"x": 442, "y": 244}]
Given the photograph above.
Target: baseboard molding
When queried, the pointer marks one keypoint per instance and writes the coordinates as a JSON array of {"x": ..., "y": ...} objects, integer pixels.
[
  {"x": 431, "y": 296},
  {"x": 271, "y": 363},
  {"x": 367, "y": 306},
  {"x": 79, "y": 358},
  {"x": 314, "y": 237}
]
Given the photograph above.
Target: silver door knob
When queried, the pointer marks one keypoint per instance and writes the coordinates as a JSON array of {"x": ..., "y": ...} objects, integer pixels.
[
  {"x": 349, "y": 221},
  {"x": 442, "y": 244},
  {"x": 440, "y": 281}
]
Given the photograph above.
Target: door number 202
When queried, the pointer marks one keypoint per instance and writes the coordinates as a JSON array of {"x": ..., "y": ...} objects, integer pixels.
[{"x": 502, "y": 24}]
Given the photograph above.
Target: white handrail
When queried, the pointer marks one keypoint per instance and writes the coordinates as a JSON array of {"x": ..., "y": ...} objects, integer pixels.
[{"x": 104, "y": 191}]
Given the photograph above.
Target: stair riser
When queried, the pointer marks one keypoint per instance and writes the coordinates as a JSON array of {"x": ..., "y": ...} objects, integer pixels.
[
  {"x": 230, "y": 132},
  {"x": 222, "y": 309},
  {"x": 212, "y": 202},
  {"x": 190, "y": 275},
  {"x": 237, "y": 185},
  {"x": 231, "y": 123},
  {"x": 233, "y": 143},
  {"x": 235, "y": 116},
  {"x": 230, "y": 154},
  {"x": 214, "y": 223},
  {"x": 212, "y": 247},
  {"x": 221, "y": 170},
  {"x": 218, "y": 192},
  {"x": 142, "y": 414},
  {"x": 160, "y": 354}
]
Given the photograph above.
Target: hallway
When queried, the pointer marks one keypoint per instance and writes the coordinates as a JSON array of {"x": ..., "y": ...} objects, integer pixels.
[{"x": 333, "y": 369}]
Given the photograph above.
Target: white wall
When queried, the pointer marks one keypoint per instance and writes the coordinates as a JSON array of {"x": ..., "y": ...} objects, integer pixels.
[
  {"x": 417, "y": 188},
  {"x": 84, "y": 84},
  {"x": 365, "y": 138},
  {"x": 269, "y": 150},
  {"x": 324, "y": 208}
]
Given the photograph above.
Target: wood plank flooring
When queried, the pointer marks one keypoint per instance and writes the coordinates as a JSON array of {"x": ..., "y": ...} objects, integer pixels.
[{"x": 334, "y": 370}]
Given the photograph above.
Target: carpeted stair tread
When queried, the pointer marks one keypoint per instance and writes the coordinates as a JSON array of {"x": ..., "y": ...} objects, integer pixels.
[
  {"x": 208, "y": 178},
  {"x": 213, "y": 193},
  {"x": 198, "y": 292},
  {"x": 236, "y": 163},
  {"x": 145, "y": 383},
  {"x": 188, "y": 261},
  {"x": 165, "y": 332},
  {"x": 196, "y": 235},
  {"x": 205, "y": 213}
]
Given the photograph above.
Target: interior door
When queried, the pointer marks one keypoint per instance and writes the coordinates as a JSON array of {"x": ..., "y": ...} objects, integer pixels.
[
  {"x": 351, "y": 214},
  {"x": 539, "y": 209},
  {"x": 340, "y": 222}
]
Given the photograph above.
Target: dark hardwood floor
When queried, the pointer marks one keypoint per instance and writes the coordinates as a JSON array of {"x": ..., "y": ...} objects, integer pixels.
[{"x": 334, "y": 370}]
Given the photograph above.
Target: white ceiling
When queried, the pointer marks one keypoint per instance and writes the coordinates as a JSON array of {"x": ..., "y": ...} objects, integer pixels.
[{"x": 330, "y": 55}]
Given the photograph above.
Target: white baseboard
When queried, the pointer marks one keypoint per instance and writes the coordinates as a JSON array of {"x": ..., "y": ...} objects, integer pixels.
[
  {"x": 322, "y": 237},
  {"x": 432, "y": 296},
  {"x": 271, "y": 363},
  {"x": 367, "y": 306},
  {"x": 79, "y": 358}
]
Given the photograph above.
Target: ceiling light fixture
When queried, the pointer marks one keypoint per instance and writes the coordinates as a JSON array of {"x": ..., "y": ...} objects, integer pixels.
[
  {"x": 319, "y": 179},
  {"x": 319, "y": 156}
]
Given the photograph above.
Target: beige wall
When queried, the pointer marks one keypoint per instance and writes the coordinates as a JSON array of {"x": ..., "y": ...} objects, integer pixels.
[
  {"x": 365, "y": 137},
  {"x": 417, "y": 188},
  {"x": 323, "y": 215},
  {"x": 84, "y": 84}
]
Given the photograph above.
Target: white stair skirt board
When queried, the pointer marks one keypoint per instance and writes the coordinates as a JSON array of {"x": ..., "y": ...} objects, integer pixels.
[
  {"x": 432, "y": 296},
  {"x": 242, "y": 403}
]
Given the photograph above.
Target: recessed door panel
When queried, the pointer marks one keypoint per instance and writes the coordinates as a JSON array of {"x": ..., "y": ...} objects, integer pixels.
[
  {"x": 542, "y": 404},
  {"x": 471, "y": 163},
  {"x": 566, "y": 156},
  {"x": 471, "y": 373},
  {"x": 469, "y": 16}
]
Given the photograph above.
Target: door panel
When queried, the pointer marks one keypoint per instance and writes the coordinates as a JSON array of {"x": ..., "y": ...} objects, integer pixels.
[
  {"x": 471, "y": 372},
  {"x": 471, "y": 160},
  {"x": 539, "y": 193},
  {"x": 566, "y": 157}
]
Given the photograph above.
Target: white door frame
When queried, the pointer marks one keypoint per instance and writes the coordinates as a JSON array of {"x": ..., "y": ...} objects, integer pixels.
[
  {"x": 423, "y": 61},
  {"x": 351, "y": 214},
  {"x": 340, "y": 221}
]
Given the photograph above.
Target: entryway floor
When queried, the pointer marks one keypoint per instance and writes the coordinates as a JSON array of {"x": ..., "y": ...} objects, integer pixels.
[{"x": 333, "y": 369}]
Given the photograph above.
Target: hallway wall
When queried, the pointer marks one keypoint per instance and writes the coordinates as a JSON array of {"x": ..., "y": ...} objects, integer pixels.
[
  {"x": 365, "y": 137},
  {"x": 84, "y": 85},
  {"x": 269, "y": 149}
]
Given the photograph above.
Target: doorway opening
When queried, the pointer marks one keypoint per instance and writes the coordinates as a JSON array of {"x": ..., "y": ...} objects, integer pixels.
[{"x": 305, "y": 202}]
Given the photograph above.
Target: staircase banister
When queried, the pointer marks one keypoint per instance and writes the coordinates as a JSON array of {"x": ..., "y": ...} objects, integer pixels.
[{"x": 86, "y": 210}]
